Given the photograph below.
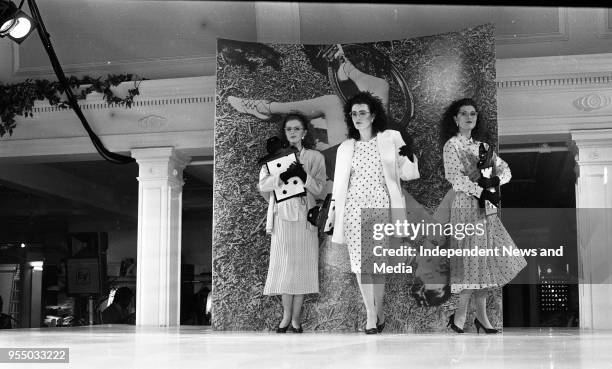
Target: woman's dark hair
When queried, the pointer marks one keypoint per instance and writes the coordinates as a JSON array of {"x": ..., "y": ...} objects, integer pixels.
[
  {"x": 308, "y": 141},
  {"x": 376, "y": 108},
  {"x": 448, "y": 127}
]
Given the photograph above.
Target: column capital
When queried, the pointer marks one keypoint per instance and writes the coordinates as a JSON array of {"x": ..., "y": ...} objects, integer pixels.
[
  {"x": 159, "y": 153},
  {"x": 160, "y": 163},
  {"x": 594, "y": 146}
]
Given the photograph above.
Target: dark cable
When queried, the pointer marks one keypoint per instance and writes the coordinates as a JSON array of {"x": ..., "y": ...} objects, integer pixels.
[{"x": 59, "y": 72}]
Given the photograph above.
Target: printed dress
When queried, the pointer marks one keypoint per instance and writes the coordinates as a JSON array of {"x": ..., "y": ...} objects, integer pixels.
[
  {"x": 476, "y": 272},
  {"x": 367, "y": 190}
]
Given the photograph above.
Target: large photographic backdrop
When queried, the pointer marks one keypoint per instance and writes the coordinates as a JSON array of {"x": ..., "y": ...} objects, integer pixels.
[{"x": 257, "y": 84}]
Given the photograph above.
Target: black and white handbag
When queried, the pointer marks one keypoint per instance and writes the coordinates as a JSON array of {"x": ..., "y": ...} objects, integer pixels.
[{"x": 319, "y": 215}]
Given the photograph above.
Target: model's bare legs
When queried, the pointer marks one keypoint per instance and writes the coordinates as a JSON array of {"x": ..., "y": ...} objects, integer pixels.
[
  {"x": 480, "y": 300},
  {"x": 327, "y": 106},
  {"x": 462, "y": 305},
  {"x": 297, "y": 310},
  {"x": 367, "y": 293},
  {"x": 364, "y": 82},
  {"x": 287, "y": 310},
  {"x": 379, "y": 298}
]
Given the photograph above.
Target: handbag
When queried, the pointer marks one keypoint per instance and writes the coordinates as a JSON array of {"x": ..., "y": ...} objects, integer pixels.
[
  {"x": 318, "y": 215},
  {"x": 485, "y": 161}
]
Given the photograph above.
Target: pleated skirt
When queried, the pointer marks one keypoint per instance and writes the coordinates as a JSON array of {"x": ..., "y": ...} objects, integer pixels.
[{"x": 294, "y": 259}]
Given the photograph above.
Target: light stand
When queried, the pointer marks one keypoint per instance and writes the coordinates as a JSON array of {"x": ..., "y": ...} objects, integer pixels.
[{"x": 12, "y": 23}]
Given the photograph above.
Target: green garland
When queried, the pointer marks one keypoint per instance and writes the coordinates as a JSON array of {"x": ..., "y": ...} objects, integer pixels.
[{"x": 18, "y": 99}]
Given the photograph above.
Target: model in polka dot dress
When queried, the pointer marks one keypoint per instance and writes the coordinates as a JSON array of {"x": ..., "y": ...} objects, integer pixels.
[
  {"x": 366, "y": 191},
  {"x": 460, "y": 158},
  {"x": 474, "y": 274}
]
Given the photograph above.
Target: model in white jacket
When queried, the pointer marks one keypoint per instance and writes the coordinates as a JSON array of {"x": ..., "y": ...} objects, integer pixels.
[{"x": 366, "y": 119}]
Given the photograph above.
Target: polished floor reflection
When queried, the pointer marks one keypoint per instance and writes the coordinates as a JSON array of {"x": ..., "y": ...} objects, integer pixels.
[{"x": 197, "y": 347}]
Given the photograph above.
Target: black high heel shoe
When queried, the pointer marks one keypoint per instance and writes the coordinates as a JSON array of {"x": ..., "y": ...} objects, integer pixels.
[
  {"x": 479, "y": 325},
  {"x": 380, "y": 327},
  {"x": 371, "y": 331},
  {"x": 282, "y": 329},
  {"x": 451, "y": 324},
  {"x": 296, "y": 330}
]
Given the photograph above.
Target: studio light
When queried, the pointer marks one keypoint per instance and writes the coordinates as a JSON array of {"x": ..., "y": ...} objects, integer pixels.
[
  {"x": 14, "y": 23},
  {"x": 17, "y": 25}
]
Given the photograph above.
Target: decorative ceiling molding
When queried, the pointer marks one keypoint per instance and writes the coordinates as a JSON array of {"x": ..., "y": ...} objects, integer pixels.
[
  {"x": 101, "y": 105},
  {"x": 605, "y": 28},
  {"x": 569, "y": 71},
  {"x": 592, "y": 102},
  {"x": 551, "y": 96},
  {"x": 176, "y": 91},
  {"x": 556, "y": 82},
  {"x": 190, "y": 143},
  {"x": 172, "y": 112},
  {"x": 561, "y": 34},
  {"x": 152, "y": 122},
  {"x": 135, "y": 66}
]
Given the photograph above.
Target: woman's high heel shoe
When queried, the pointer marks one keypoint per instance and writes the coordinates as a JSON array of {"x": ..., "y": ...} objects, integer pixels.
[
  {"x": 282, "y": 329},
  {"x": 380, "y": 326},
  {"x": 296, "y": 330},
  {"x": 451, "y": 324},
  {"x": 479, "y": 325}
]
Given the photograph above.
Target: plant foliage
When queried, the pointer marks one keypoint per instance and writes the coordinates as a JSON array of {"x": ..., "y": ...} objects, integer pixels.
[{"x": 18, "y": 99}]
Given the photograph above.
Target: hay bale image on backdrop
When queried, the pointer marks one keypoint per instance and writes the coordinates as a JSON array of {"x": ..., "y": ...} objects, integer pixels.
[{"x": 257, "y": 84}]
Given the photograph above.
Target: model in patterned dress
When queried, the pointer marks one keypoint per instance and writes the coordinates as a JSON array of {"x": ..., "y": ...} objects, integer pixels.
[
  {"x": 366, "y": 191},
  {"x": 294, "y": 252},
  {"x": 369, "y": 166},
  {"x": 473, "y": 275}
]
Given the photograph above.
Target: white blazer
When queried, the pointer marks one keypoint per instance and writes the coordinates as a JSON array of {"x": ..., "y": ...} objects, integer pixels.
[{"x": 395, "y": 167}]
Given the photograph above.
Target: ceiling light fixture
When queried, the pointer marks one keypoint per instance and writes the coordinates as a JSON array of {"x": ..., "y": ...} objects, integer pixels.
[{"x": 14, "y": 23}]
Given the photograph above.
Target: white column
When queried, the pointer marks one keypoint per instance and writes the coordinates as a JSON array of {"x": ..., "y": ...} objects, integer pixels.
[
  {"x": 158, "y": 278},
  {"x": 594, "y": 203}
]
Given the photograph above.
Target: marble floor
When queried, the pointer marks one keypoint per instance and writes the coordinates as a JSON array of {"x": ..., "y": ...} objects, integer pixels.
[{"x": 186, "y": 347}]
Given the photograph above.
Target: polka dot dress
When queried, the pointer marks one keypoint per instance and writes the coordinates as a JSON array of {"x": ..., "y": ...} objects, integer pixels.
[
  {"x": 476, "y": 272},
  {"x": 367, "y": 190}
]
